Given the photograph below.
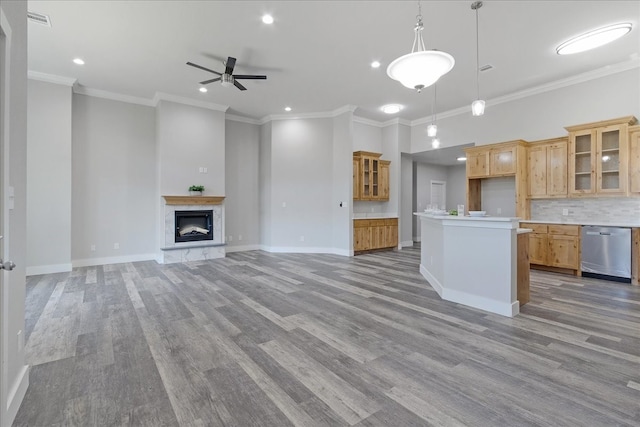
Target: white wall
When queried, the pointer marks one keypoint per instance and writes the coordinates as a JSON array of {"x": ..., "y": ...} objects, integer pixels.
[
  {"x": 114, "y": 181},
  {"x": 457, "y": 186},
  {"x": 540, "y": 116},
  {"x": 48, "y": 178},
  {"x": 367, "y": 137},
  {"x": 301, "y": 159},
  {"x": 242, "y": 202},
  {"x": 423, "y": 175},
  {"x": 15, "y": 372},
  {"x": 406, "y": 201}
]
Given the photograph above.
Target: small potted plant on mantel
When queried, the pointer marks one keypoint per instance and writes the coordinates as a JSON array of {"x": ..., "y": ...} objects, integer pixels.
[{"x": 196, "y": 190}]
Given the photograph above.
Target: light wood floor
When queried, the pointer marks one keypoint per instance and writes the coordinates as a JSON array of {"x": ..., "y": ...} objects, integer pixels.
[{"x": 259, "y": 339}]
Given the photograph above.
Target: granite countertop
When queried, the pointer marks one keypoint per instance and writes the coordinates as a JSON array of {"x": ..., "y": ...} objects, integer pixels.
[{"x": 631, "y": 224}]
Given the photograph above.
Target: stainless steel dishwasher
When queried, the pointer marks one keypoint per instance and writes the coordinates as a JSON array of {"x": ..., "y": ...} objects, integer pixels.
[{"x": 606, "y": 252}]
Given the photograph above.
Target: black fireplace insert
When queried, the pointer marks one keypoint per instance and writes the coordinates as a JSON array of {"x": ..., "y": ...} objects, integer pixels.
[{"x": 192, "y": 226}]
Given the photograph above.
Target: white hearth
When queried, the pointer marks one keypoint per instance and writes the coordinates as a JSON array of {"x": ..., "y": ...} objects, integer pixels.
[{"x": 172, "y": 252}]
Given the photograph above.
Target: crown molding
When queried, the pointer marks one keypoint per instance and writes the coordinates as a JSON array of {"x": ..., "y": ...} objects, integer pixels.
[
  {"x": 558, "y": 84},
  {"x": 365, "y": 121},
  {"x": 316, "y": 115},
  {"x": 242, "y": 119},
  {"x": 97, "y": 93},
  {"x": 51, "y": 78},
  {"x": 396, "y": 121},
  {"x": 161, "y": 96}
]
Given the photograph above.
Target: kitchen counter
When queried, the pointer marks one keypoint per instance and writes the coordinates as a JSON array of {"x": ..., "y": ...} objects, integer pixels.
[
  {"x": 374, "y": 215},
  {"x": 472, "y": 260},
  {"x": 598, "y": 223}
]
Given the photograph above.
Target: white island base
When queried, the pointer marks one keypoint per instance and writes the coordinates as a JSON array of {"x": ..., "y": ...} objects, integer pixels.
[{"x": 472, "y": 260}]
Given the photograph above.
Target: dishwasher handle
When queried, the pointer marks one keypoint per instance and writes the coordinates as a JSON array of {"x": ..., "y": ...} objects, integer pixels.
[{"x": 598, "y": 233}]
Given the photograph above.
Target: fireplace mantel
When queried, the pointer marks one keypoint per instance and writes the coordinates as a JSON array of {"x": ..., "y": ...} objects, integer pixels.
[{"x": 193, "y": 200}]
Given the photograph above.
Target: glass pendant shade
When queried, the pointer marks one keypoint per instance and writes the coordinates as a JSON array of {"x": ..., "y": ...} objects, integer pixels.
[
  {"x": 418, "y": 70},
  {"x": 435, "y": 143},
  {"x": 432, "y": 130},
  {"x": 477, "y": 107}
]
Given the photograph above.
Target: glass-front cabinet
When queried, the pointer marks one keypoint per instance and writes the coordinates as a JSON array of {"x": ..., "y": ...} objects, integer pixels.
[
  {"x": 598, "y": 157},
  {"x": 371, "y": 176}
]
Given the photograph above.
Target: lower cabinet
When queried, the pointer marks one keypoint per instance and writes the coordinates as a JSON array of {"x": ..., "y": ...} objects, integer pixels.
[
  {"x": 554, "y": 245},
  {"x": 370, "y": 234}
]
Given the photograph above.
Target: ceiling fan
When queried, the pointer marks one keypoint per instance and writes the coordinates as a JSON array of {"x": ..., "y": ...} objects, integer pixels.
[{"x": 228, "y": 78}]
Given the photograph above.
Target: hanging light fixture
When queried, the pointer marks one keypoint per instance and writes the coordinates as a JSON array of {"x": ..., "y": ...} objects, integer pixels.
[
  {"x": 432, "y": 129},
  {"x": 477, "y": 106},
  {"x": 435, "y": 143},
  {"x": 421, "y": 68}
]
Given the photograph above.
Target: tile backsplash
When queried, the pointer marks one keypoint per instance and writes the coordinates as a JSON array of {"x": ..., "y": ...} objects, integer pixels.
[{"x": 604, "y": 209}]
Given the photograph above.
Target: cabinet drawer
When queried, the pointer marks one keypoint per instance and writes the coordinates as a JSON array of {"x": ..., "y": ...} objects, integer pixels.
[
  {"x": 565, "y": 230},
  {"x": 537, "y": 228},
  {"x": 392, "y": 221},
  {"x": 361, "y": 223}
]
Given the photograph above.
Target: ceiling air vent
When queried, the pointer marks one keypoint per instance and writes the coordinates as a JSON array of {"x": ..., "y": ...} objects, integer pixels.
[{"x": 39, "y": 18}]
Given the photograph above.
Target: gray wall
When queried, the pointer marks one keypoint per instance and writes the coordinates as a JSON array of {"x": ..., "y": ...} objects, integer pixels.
[
  {"x": 406, "y": 202},
  {"x": 499, "y": 196},
  {"x": 14, "y": 245},
  {"x": 540, "y": 116},
  {"x": 264, "y": 156},
  {"x": 242, "y": 202},
  {"x": 342, "y": 191},
  {"x": 114, "y": 186},
  {"x": 301, "y": 157},
  {"x": 48, "y": 178},
  {"x": 423, "y": 175},
  {"x": 457, "y": 186}
]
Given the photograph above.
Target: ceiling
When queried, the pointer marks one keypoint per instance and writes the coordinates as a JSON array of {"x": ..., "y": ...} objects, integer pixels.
[{"x": 317, "y": 54}]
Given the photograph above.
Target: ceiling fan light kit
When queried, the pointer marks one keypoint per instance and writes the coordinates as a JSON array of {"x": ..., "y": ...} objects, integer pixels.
[
  {"x": 227, "y": 78},
  {"x": 421, "y": 68}
]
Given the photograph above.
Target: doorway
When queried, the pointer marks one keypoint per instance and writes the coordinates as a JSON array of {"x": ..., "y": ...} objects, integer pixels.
[{"x": 438, "y": 194}]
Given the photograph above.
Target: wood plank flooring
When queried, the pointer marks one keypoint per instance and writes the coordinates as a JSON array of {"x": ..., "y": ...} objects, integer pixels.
[{"x": 259, "y": 339}]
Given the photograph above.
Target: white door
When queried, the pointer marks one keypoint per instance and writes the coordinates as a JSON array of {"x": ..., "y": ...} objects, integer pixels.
[{"x": 439, "y": 194}]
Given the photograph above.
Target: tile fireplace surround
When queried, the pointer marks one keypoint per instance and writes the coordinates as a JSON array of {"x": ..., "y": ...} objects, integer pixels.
[{"x": 171, "y": 251}]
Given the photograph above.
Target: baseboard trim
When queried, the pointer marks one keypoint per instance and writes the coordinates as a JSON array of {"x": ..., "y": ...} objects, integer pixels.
[
  {"x": 16, "y": 393},
  {"x": 89, "y": 262},
  {"x": 243, "y": 248},
  {"x": 406, "y": 244},
  {"x": 48, "y": 269}
]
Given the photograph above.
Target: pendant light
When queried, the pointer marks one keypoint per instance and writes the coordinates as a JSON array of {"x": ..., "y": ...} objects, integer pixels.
[
  {"x": 421, "y": 68},
  {"x": 432, "y": 129},
  {"x": 477, "y": 106}
]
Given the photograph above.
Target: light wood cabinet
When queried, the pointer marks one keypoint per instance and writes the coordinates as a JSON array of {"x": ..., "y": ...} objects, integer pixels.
[
  {"x": 599, "y": 157},
  {"x": 372, "y": 234},
  {"x": 372, "y": 179},
  {"x": 547, "y": 165},
  {"x": 523, "y": 270},
  {"x": 634, "y": 161},
  {"x": 556, "y": 246},
  {"x": 497, "y": 160}
]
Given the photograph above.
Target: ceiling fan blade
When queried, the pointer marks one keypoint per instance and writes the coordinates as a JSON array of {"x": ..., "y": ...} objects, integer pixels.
[
  {"x": 203, "y": 68},
  {"x": 250, "y": 77},
  {"x": 206, "y": 82},
  {"x": 231, "y": 62},
  {"x": 238, "y": 85}
]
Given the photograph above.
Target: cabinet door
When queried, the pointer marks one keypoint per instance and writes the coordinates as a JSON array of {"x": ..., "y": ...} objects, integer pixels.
[
  {"x": 361, "y": 235},
  {"x": 537, "y": 157},
  {"x": 377, "y": 234},
  {"x": 503, "y": 161},
  {"x": 634, "y": 163},
  {"x": 582, "y": 152},
  {"x": 384, "y": 180},
  {"x": 557, "y": 169},
  {"x": 375, "y": 179},
  {"x": 356, "y": 179},
  {"x": 611, "y": 159},
  {"x": 538, "y": 248},
  {"x": 563, "y": 251},
  {"x": 478, "y": 164},
  {"x": 391, "y": 233}
]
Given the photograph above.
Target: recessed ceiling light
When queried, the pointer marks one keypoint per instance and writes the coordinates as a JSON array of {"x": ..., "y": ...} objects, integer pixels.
[
  {"x": 375, "y": 64},
  {"x": 203, "y": 89},
  {"x": 267, "y": 19},
  {"x": 461, "y": 159},
  {"x": 392, "y": 108},
  {"x": 78, "y": 61},
  {"x": 287, "y": 108},
  {"x": 593, "y": 39}
]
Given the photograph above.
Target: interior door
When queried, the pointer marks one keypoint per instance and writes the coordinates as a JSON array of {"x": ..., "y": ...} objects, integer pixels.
[{"x": 3, "y": 170}]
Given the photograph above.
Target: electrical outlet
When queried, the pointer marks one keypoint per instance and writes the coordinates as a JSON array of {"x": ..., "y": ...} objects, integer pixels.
[
  {"x": 284, "y": 204},
  {"x": 230, "y": 239},
  {"x": 565, "y": 212},
  {"x": 499, "y": 211},
  {"x": 371, "y": 209},
  {"x": 205, "y": 170},
  {"x": 302, "y": 238},
  {"x": 201, "y": 170},
  {"x": 116, "y": 246},
  {"x": 93, "y": 248},
  {"x": 239, "y": 236}
]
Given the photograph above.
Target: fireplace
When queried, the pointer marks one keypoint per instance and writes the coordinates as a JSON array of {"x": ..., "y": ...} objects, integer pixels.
[{"x": 193, "y": 225}]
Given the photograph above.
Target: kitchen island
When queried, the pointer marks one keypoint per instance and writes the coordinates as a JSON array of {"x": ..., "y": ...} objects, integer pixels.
[{"x": 472, "y": 260}]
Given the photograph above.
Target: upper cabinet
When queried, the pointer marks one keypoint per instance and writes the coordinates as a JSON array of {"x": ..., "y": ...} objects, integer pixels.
[
  {"x": 547, "y": 164},
  {"x": 634, "y": 160},
  {"x": 493, "y": 160},
  {"x": 599, "y": 157},
  {"x": 370, "y": 176}
]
